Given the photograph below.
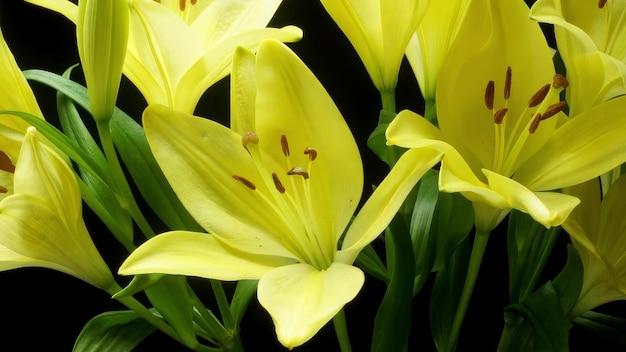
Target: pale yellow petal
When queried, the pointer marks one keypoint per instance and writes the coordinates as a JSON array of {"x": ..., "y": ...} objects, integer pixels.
[
  {"x": 243, "y": 92},
  {"x": 198, "y": 254},
  {"x": 301, "y": 299}
]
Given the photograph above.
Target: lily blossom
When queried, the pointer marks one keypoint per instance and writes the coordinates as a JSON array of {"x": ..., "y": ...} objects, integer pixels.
[
  {"x": 178, "y": 49},
  {"x": 275, "y": 193},
  {"x": 497, "y": 106},
  {"x": 591, "y": 38},
  {"x": 379, "y": 31},
  {"x": 598, "y": 231}
]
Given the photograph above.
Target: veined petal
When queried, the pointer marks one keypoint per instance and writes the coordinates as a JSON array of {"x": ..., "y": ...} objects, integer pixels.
[
  {"x": 547, "y": 208},
  {"x": 583, "y": 224},
  {"x": 582, "y": 148},
  {"x": 494, "y": 35},
  {"x": 223, "y": 19},
  {"x": 610, "y": 241},
  {"x": 301, "y": 299},
  {"x": 383, "y": 204},
  {"x": 243, "y": 92},
  {"x": 293, "y": 103},
  {"x": 64, "y": 7},
  {"x": 198, "y": 254},
  {"x": 217, "y": 61},
  {"x": 199, "y": 158}
]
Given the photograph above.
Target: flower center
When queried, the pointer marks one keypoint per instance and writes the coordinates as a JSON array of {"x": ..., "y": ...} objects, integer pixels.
[
  {"x": 510, "y": 141},
  {"x": 182, "y": 4},
  {"x": 610, "y": 40},
  {"x": 291, "y": 201},
  {"x": 6, "y": 165}
]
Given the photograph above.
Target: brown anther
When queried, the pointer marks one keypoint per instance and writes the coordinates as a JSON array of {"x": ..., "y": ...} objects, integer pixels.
[
  {"x": 539, "y": 96},
  {"x": 3, "y": 190},
  {"x": 535, "y": 123},
  {"x": 499, "y": 115},
  {"x": 284, "y": 145},
  {"x": 245, "y": 181},
  {"x": 601, "y": 3},
  {"x": 279, "y": 186},
  {"x": 298, "y": 171},
  {"x": 181, "y": 4},
  {"x": 312, "y": 153},
  {"x": 507, "y": 83},
  {"x": 489, "y": 91},
  {"x": 249, "y": 137},
  {"x": 5, "y": 163},
  {"x": 559, "y": 81},
  {"x": 554, "y": 109},
  {"x": 193, "y": 2}
]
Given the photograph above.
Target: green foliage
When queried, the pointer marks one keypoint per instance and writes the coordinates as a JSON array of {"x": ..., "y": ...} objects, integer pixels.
[{"x": 118, "y": 331}]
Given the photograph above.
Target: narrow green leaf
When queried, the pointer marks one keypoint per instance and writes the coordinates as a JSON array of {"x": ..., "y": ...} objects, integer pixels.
[
  {"x": 370, "y": 262},
  {"x": 606, "y": 327},
  {"x": 244, "y": 292},
  {"x": 118, "y": 331}
]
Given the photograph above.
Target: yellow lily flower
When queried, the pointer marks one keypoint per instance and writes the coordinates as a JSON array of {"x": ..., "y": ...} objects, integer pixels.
[
  {"x": 275, "y": 193},
  {"x": 598, "y": 231},
  {"x": 379, "y": 31},
  {"x": 591, "y": 38},
  {"x": 502, "y": 151},
  {"x": 177, "y": 49},
  {"x": 432, "y": 40},
  {"x": 40, "y": 203}
]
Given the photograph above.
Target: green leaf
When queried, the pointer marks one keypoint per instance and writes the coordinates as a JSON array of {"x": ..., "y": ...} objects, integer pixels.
[
  {"x": 118, "y": 331},
  {"x": 570, "y": 280},
  {"x": 446, "y": 294},
  {"x": 378, "y": 143},
  {"x": 241, "y": 298},
  {"x": 370, "y": 262},
  {"x": 138, "y": 284}
]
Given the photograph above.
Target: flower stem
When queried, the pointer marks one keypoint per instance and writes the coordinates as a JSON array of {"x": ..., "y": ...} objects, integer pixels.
[
  {"x": 341, "y": 329},
  {"x": 478, "y": 251}
]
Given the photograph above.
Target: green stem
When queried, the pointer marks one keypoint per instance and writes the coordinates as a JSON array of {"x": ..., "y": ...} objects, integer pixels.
[
  {"x": 546, "y": 250},
  {"x": 430, "y": 111},
  {"x": 478, "y": 251},
  {"x": 222, "y": 303},
  {"x": 124, "y": 193},
  {"x": 388, "y": 99},
  {"x": 341, "y": 329}
]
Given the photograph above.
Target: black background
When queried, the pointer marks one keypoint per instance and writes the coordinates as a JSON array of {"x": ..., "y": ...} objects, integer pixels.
[{"x": 43, "y": 310}]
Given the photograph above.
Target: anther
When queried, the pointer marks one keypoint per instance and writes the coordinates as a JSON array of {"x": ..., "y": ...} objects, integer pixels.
[
  {"x": 489, "y": 95},
  {"x": 5, "y": 163},
  {"x": 539, "y": 96},
  {"x": 535, "y": 123},
  {"x": 298, "y": 171},
  {"x": 554, "y": 109},
  {"x": 499, "y": 115},
  {"x": 3, "y": 190},
  {"x": 507, "y": 83},
  {"x": 245, "y": 181},
  {"x": 312, "y": 153},
  {"x": 181, "y": 4},
  {"x": 279, "y": 186},
  {"x": 559, "y": 81},
  {"x": 284, "y": 145},
  {"x": 249, "y": 137},
  {"x": 601, "y": 3}
]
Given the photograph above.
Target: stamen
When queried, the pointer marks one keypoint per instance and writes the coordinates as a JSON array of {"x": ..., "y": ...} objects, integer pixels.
[
  {"x": 507, "y": 83},
  {"x": 601, "y": 3},
  {"x": 539, "y": 96},
  {"x": 5, "y": 163},
  {"x": 279, "y": 185},
  {"x": 193, "y": 2},
  {"x": 284, "y": 145},
  {"x": 535, "y": 123},
  {"x": 499, "y": 115},
  {"x": 181, "y": 4},
  {"x": 489, "y": 91},
  {"x": 553, "y": 109},
  {"x": 559, "y": 81},
  {"x": 249, "y": 137},
  {"x": 298, "y": 171},
  {"x": 245, "y": 181},
  {"x": 3, "y": 190},
  {"x": 312, "y": 153}
]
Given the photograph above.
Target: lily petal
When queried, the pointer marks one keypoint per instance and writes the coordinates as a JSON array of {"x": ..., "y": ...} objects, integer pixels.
[
  {"x": 301, "y": 299},
  {"x": 583, "y": 224},
  {"x": 243, "y": 92},
  {"x": 582, "y": 148},
  {"x": 383, "y": 204},
  {"x": 197, "y": 254}
]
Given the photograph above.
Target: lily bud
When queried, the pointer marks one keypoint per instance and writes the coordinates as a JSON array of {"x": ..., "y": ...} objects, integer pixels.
[{"x": 102, "y": 34}]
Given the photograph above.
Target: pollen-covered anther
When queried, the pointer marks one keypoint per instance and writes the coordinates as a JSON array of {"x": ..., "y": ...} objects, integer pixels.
[
  {"x": 182, "y": 4},
  {"x": 312, "y": 153},
  {"x": 279, "y": 185},
  {"x": 3, "y": 190},
  {"x": 507, "y": 84},
  {"x": 535, "y": 123},
  {"x": 298, "y": 171},
  {"x": 601, "y": 3},
  {"x": 245, "y": 182},
  {"x": 249, "y": 137},
  {"x": 559, "y": 81},
  {"x": 489, "y": 93},
  {"x": 553, "y": 110},
  {"x": 538, "y": 97},
  {"x": 5, "y": 163},
  {"x": 284, "y": 144},
  {"x": 499, "y": 115}
]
